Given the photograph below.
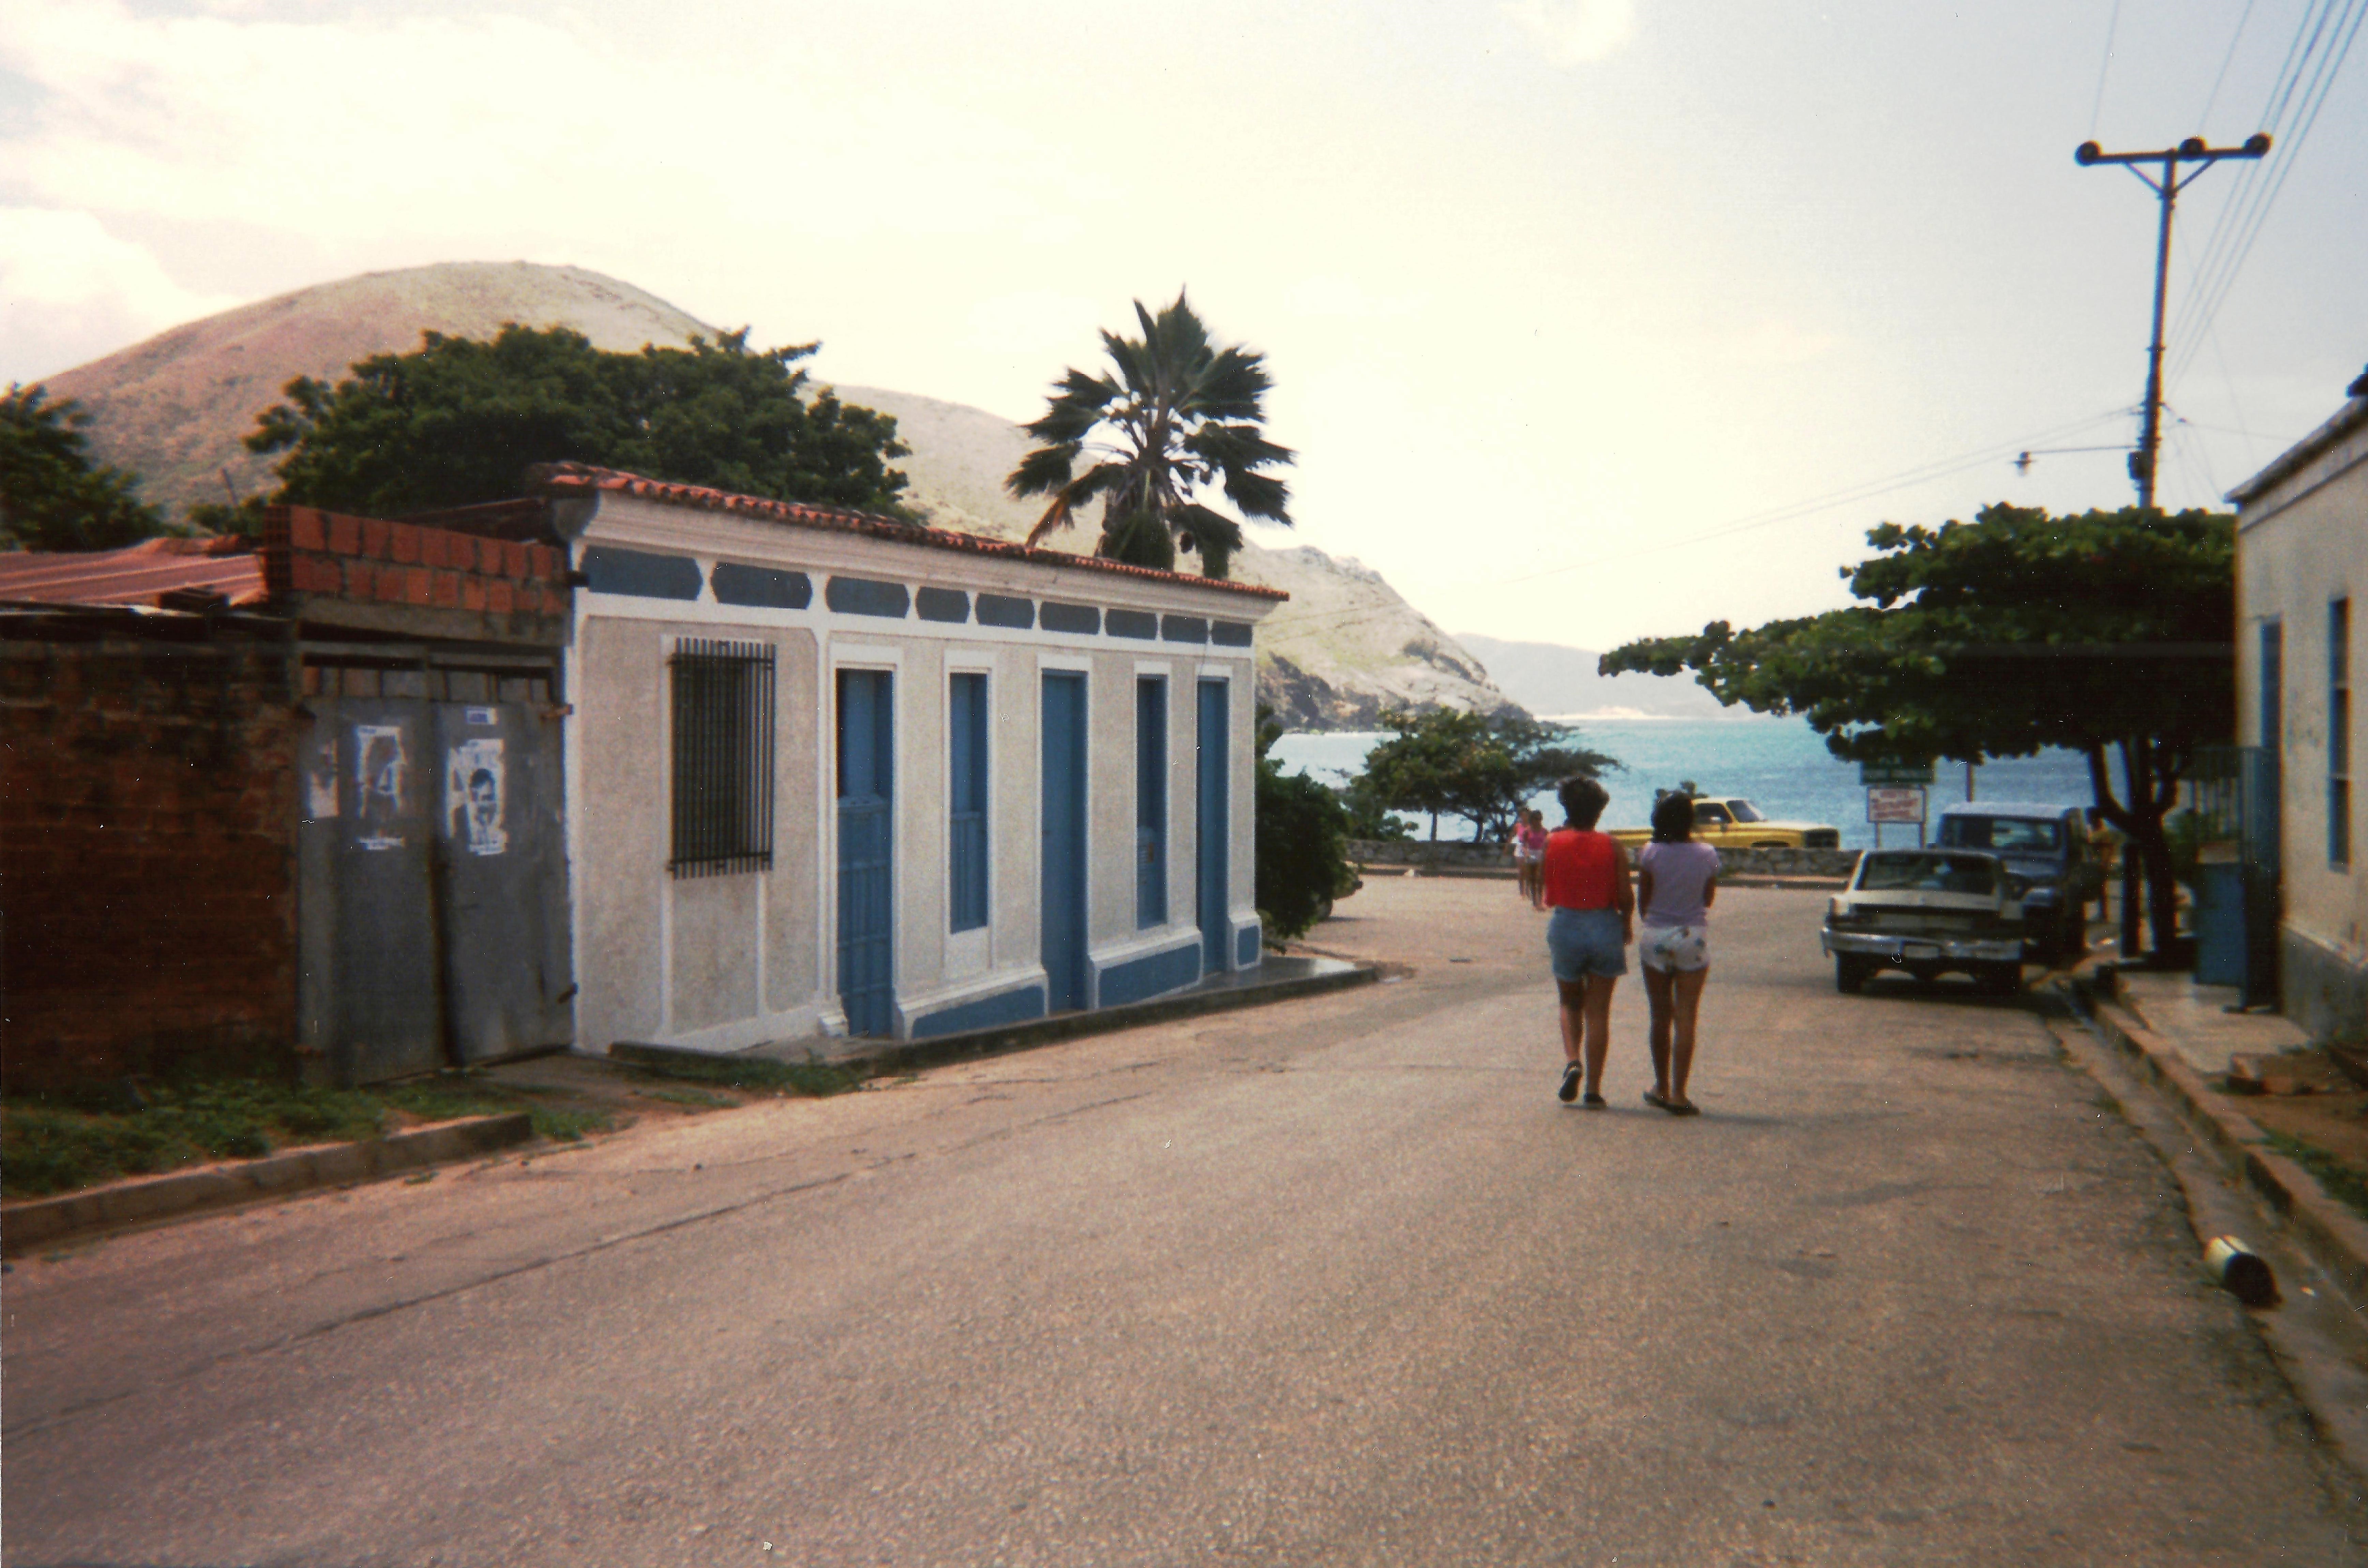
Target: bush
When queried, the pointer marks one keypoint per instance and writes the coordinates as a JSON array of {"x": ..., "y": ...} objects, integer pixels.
[{"x": 1303, "y": 831}]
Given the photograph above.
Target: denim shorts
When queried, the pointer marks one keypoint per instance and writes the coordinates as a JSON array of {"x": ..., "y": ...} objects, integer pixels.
[{"x": 1585, "y": 941}]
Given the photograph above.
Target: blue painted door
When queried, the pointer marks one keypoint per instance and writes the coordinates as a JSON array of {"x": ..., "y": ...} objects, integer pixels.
[
  {"x": 1064, "y": 842},
  {"x": 1215, "y": 851},
  {"x": 867, "y": 772}
]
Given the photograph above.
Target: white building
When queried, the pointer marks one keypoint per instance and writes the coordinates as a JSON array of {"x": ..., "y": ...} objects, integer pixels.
[
  {"x": 2302, "y": 596},
  {"x": 827, "y": 773}
]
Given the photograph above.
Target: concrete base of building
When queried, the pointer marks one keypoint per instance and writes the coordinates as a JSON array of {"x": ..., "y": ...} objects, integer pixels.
[{"x": 2323, "y": 992}]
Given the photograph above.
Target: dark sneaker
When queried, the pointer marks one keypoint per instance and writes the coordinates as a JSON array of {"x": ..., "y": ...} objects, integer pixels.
[{"x": 1569, "y": 1090}]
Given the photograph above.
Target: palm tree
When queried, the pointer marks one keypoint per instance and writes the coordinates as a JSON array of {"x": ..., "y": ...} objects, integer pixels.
[{"x": 1178, "y": 415}]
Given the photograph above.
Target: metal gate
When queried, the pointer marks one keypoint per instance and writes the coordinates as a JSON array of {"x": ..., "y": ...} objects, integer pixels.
[
  {"x": 1064, "y": 861},
  {"x": 432, "y": 883},
  {"x": 1215, "y": 846},
  {"x": 867, "y": 987}
]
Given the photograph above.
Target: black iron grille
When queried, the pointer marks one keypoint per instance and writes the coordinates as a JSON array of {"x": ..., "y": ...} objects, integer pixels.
[{"x": 722, "y": 758}]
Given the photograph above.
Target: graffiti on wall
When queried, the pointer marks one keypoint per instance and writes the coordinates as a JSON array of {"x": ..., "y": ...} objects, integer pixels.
[
  {"x": 476, "y": 796},
  {"x": 382, "y": 785}
]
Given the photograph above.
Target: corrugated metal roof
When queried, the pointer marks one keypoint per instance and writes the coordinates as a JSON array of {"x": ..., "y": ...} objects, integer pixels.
[{"x": 138, "y": 574}]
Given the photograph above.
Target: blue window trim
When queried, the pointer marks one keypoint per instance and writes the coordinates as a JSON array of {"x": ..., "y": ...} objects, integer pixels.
[
  {"x": 967, "y": 744},
  {"x": 1150, "y": 801}
]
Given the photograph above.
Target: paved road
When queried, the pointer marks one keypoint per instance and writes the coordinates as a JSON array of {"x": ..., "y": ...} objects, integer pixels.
[{"x": 1335, "y": 1281}]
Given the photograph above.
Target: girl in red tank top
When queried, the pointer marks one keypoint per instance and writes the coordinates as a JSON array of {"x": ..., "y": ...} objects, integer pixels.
[
  {"x": 1586, "y": 877},
  {"x": 1581, "y": 869}
]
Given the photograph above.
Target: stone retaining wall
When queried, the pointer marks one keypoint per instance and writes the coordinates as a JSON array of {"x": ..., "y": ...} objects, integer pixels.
[{"x": 1426, "y": 857}]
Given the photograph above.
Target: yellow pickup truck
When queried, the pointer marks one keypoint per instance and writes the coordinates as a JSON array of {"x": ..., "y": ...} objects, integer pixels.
[{"x": 1730, "y": 822}]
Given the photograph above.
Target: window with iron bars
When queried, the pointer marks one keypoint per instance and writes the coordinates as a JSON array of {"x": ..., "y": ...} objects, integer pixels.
[{"x": 722, "y": 758}]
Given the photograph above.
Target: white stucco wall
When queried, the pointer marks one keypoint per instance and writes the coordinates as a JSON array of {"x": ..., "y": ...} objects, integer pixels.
[
  {"x": 2302, "y": 543},
  {"x": 728, "y": 961}
]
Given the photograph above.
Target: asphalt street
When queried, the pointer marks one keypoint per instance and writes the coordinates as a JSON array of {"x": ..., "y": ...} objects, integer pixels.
[{"x": 1333, "y": 1281}]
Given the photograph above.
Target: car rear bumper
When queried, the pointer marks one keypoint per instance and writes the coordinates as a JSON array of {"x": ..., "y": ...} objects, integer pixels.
[{"x": 1895, "y": 947}]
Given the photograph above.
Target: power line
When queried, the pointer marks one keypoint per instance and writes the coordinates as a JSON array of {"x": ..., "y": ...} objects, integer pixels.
[
  {"x": 2112, "y": 26},
  {"x": 2305, "y": 80},
  {"x": 2204, "y": 120},
  {"x": 2315, "y": 100},
  {"x": 1904, "y": 478}
]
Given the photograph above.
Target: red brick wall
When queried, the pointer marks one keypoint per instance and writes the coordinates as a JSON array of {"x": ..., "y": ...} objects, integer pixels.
[
  {"x": 147, "y": 857},
  {"x": 372, "y": 559}
]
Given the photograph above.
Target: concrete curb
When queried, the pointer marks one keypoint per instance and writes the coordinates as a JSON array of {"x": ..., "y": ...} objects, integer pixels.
[
  {"x": 32, "y": 1223},
  {"x": 886, "y": 1058},
  {"x": 2336, "y": 1238}
]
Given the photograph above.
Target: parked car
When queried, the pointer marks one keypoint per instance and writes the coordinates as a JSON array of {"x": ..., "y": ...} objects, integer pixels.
[
  {"x": 2050, "y": 865},
  {"x": 1928, "y": 912},
  {"x": 1730, "y": 822}
]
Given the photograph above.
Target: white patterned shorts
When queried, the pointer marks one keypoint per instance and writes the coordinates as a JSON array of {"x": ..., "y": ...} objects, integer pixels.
[{"x": 1674, "y": 947}]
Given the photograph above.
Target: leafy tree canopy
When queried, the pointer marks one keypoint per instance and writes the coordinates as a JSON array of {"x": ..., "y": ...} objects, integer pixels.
[
  {"x": 460, "y": 421},
  {"x": 2109, "y": 630},
  {"x": 1174, "y": 417},
  {"x": 53, "y": 497},
  {"x": 1302, "y": 843},
  {"x": 1484, "y": 767}
]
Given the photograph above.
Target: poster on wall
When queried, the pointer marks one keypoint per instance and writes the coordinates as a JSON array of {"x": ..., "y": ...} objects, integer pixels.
[
  {"x": 476, "y": 796},
  {"x": 321, "y": 781},
  {"x": 382, "y": 785}
]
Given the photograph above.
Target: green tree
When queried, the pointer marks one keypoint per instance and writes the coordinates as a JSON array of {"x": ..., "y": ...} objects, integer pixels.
[
  {"x": 2109, "y": 633},
  {"x": 1179, "y": 416},
  {"x": 1302, "y": 843},
  {"x": 460, "y": 421},
  {"x": 53, "y": 497},
  {"x": 1484, "y": 768}
]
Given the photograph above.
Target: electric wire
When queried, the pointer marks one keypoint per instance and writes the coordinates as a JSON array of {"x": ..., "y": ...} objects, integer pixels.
[
  {"x": 2226, "y": 61},
  {"x": 1942, "y": 468},
  {"x": 2201, "y": 307},
  {"x": 2295, "y": 101},
  {"x": 2104, "y": 67},
  {"x": 2224, "y": 224}
]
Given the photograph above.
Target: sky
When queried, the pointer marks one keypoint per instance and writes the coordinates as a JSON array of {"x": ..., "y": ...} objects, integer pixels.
[{"x": 1588, "y": 319}]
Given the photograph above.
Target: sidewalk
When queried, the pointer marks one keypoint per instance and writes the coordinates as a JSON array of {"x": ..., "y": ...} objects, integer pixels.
[
  {"x": 2200, "y": 1021},
  {"x": 2289, "y": 1150}
]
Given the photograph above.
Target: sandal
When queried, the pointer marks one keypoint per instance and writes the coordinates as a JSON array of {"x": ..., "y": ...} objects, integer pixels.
[
  {"x": 1657, "y": 1099},
  {"x": 1594, "y": 1101}
]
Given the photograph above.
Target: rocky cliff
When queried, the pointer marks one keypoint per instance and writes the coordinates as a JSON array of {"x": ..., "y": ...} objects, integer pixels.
[{"x": 174, "y": 409}]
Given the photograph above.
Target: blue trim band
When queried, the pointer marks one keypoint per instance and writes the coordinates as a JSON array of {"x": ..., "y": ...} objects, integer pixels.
[
  {"x": 986, "y": 1013},
  {"x": 861, "y": 595},
  {"x": 609, "y": 569},
  {"x": 1139, "y": 979},
  {"x": 766, "y": 587},
  {"x": 942, "y": 604}
]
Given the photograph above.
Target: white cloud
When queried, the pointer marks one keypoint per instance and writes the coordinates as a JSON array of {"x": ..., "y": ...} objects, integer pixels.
[
  {"x": 1576, "y": 31},
  {"x": 68, "y": 290},
  {"x": 353, "y": 130}
]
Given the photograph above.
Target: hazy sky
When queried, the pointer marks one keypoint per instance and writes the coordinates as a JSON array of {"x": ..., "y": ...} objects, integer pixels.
[{"x": 1557, "y": 293}]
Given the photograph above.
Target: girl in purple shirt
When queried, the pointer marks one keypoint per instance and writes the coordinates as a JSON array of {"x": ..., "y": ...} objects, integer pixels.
[{"x": 1677, "y": 880}]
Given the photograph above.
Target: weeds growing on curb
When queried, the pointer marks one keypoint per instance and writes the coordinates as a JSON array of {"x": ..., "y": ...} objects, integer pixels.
[
  {"x": 2341, "y": 1182},
  {"x": 816, "y": 1079},
  {"x": 58, "y": 1142}
]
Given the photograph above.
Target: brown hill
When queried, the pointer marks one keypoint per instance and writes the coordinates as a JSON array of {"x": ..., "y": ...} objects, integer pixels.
[{"x": 173, "y": 410}]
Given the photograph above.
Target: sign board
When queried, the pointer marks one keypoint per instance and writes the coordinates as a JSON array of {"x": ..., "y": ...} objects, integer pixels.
[
  {"x": 1877, "y": 774},
  {"x": 1895, "y": 806}
]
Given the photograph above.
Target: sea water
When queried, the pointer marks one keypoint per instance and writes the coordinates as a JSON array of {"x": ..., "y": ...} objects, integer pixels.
[{"x": 1780, "y": 765}]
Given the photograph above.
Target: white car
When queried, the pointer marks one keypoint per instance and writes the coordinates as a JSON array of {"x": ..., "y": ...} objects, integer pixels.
[{"x": 1926, "y": 912}]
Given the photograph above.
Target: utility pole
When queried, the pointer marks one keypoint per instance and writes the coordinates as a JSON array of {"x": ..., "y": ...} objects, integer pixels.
[{"x": 2166, "y": 188}]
